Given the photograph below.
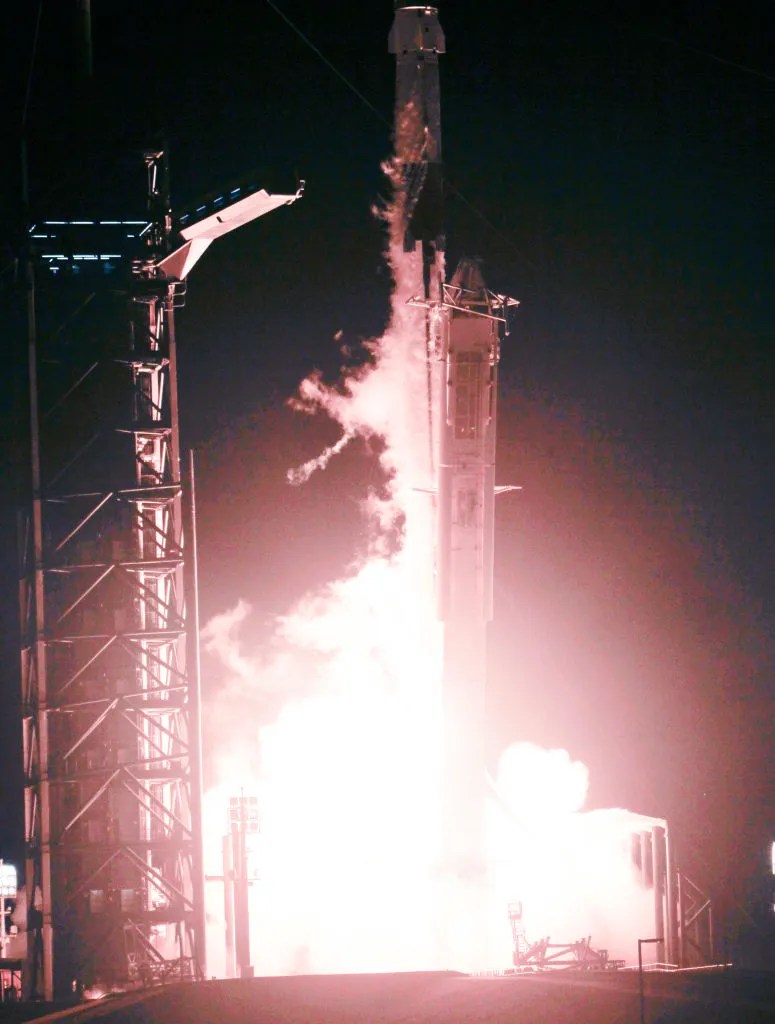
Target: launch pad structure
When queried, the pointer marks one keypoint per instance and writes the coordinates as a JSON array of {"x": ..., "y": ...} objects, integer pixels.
[
  {"x": 109, "y": 646},
  {"x": 108, "y": 603}
]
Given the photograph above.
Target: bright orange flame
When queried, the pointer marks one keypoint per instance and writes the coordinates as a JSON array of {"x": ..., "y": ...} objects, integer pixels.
[{"x": 346, "y": 780}]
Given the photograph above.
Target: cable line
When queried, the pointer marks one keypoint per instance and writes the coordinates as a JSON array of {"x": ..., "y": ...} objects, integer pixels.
[
  {"x": 328, "y": 63},
  {"x": 450, "y": 185}
]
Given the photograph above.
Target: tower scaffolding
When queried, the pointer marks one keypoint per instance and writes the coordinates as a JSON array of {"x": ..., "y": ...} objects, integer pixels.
[{"x": 110, "y": 700}]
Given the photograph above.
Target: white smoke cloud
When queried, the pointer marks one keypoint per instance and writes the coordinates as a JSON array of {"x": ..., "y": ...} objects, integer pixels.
[
  {"x": 334, "y": 724},
  {"x": 301, "y": 474},
  {"x": 535, "y": 783},
  {"x": 220, "y": 637}
]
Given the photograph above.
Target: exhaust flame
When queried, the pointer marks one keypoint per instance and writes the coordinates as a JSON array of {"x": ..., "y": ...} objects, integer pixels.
[{"x": 335, "y": 727}]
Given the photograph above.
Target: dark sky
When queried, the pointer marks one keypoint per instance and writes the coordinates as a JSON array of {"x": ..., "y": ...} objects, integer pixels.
[{"x": 614, "y": 172}]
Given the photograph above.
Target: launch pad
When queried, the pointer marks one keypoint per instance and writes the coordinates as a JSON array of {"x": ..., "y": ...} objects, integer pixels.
[
  {"x": 109, "y": 651},
  {"x": 441, "y": 998}
]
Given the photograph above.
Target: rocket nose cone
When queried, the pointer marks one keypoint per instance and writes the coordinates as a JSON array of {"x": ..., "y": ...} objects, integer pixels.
[{"x": 416, "y": 29}]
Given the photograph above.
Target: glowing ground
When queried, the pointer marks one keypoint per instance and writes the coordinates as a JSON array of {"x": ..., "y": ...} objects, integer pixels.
[{"x": 437, "y": 998}]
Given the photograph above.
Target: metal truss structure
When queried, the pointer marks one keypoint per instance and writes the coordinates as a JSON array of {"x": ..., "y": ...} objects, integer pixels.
[
  {"x": 566, "y": 956},
  {"x": 683, "y": 914},
  {"x": 696, "y": 941},
  {"x": 682, "y": 918},
  {"x": 546, "y": 955},
  {"x": 237, "y": 878},
  {"x": 110, "y": 693}
]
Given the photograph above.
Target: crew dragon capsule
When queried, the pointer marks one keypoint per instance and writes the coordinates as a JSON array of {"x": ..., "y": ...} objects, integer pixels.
[{"x": 416, "y": 39}]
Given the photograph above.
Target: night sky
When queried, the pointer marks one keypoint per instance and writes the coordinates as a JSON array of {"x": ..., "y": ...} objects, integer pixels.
[{"x": 614, "y": 173}]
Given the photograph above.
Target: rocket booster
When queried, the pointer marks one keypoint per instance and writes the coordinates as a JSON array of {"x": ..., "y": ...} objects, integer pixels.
[
  {"x": 467, "y": 426},
  {"x": 464, "y": 324},
  {"x": 473, "y": 320},
  {"x": 416, "y": 39}
]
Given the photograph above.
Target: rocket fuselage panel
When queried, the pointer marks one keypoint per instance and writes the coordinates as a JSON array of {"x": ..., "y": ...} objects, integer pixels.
[
  {"x": 467, "y": 469},
  {"x": 470, "y": 348},
  {"x": 471, "y": 320},
  {"x": 416, "y": 39}
]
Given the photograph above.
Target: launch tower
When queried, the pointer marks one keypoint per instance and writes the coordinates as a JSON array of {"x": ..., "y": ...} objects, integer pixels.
[{"x": 110, "y": 690}]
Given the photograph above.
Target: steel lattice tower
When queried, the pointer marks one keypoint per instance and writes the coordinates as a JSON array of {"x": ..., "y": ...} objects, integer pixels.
[
  {"x": 113, "y": 841},
  {"x": 110, "y": 695}
]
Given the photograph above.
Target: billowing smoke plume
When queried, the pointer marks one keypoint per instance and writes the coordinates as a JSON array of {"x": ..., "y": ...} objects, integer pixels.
[
  {"x": 342, "y": 749},
  {"x": 344, "y": 752}
]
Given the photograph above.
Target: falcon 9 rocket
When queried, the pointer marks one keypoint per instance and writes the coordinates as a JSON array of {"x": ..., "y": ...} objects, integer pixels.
[{"x": 464, "y": 325}]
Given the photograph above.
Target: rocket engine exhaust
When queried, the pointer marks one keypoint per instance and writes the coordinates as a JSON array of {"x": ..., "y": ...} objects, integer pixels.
[{"x": 380, "y": 848}]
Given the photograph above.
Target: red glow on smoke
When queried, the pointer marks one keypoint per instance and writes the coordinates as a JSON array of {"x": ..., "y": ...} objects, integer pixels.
[{"x": 342, "y": 746}]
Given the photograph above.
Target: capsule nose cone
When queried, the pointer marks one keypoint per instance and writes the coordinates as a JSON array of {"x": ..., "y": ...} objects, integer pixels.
[{"x": 416, "y": 29}]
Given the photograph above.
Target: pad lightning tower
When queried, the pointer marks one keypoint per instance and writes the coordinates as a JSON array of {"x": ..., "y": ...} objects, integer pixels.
[
  {"x": 110, "y": 692},
  {"x": 464, "y": 323}
]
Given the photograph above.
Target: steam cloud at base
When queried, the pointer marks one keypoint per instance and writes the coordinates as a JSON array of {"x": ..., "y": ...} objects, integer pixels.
[{"x": 342, "y": 748}]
